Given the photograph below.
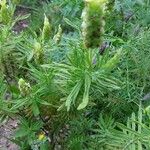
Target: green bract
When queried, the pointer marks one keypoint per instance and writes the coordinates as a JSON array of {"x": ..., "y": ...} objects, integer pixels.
[
  {"x": 58, "y": 36},
  {"x": 38, "y": 53},
  {"x": 46, "y": 29}
]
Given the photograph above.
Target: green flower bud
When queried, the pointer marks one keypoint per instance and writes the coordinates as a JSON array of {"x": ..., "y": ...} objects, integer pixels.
[
  {"x": 24, "y": 87},
  {"x": 38, "y": 53},
  {"x": 46, "y": 30},
  {"x": 4, "y": 12},
  {"x": 58, "y": 36},
  {"x": 93, "y": 22}
]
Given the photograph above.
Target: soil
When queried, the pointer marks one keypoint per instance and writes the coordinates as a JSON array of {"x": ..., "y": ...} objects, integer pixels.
[{"x": 6, "y": 132}]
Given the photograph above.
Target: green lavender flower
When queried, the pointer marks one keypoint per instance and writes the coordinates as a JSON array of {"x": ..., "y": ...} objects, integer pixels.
[{"x": 93, "y": 22}]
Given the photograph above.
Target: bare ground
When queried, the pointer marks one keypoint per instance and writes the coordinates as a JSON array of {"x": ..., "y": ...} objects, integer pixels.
[{"x": 6, "y": 132}]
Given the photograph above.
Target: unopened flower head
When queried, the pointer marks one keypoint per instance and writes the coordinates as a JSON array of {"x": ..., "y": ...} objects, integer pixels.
[
  {"x": 38, "y": 53},
  {"x": 24, "y": 87},
  {"x": 46, "y": 29},
  {"x": 93, "y": 22}
]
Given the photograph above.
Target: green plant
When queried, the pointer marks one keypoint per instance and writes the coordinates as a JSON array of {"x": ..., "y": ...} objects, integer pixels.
[
  {"x": 8, "y": 39},
  {"x": 81, "y": 75},
  {"x": 4, "y": 105},
  {"x": 79, "y": 134},
  {"x": 29, "y": 135},
  {"x": 134, "y": 135},
  {"x": 62, "y": 65}
]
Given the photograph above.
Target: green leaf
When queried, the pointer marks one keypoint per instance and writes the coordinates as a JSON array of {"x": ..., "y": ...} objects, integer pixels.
[
  {"x": 86, "y": 93},
  {"x": 30, "y": 56},
  {"x": 21, "y": 132},
  {"x": 112, "y": 63},
  {"x": 14, "y": 89},
  {"x": 73, "y": 95},
  {"x": 35, "y": 109},
  {"x": 71, "y": 24},
  {"x": 20, "y": 103},
  {"x": 36, "y": 126}
]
